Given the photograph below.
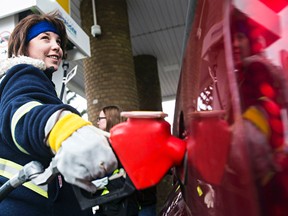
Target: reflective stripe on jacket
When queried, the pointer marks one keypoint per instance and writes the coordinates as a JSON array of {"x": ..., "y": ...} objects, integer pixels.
[{"x": 8, "y": 169}]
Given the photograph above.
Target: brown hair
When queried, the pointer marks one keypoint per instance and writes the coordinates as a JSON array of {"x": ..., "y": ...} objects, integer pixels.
[
  {"x": 113, "y": 116},
  {"x": 17, "y": 44}
]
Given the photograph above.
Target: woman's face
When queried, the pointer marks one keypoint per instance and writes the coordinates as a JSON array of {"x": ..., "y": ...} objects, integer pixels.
[
  {"x": 102, "y": 122},
  {"x": 241, "y": 48},
  {"x": 46, "y": 47}
]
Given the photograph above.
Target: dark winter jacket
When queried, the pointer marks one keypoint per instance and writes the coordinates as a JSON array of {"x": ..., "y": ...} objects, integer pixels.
[{"x": 27, "y": 100}]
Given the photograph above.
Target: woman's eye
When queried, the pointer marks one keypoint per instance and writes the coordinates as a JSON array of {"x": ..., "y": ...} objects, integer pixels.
[{"x": 45, "y": 37}]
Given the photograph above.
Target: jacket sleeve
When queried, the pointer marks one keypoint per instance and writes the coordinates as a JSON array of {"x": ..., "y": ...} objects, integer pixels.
[{"x": 28, "y": 99}]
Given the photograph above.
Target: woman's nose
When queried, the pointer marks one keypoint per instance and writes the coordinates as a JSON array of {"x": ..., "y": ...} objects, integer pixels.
[
  {"x": 235, "y": 41},
  {"x": 55, "y": 45}
]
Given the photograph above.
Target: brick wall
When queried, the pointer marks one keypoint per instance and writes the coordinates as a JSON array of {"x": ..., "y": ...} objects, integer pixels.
[{"x": 109, "y": 72}]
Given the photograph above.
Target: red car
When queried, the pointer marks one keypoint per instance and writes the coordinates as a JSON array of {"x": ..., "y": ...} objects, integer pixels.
[{"x": 231, "y": 110}]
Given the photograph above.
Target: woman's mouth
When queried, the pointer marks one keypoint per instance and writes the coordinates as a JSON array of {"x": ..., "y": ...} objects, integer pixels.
[{"x": 55, "y": 57}]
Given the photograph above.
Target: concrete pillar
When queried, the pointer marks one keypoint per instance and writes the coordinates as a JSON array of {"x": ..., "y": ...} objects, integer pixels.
[{"x": 109, "y": 72}]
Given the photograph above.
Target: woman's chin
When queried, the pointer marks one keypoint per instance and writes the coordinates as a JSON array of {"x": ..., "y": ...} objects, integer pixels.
[{"x": 52, "y": 65}]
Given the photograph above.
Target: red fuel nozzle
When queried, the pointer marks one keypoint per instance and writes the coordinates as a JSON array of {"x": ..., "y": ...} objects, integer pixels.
[{"x": 146, "y": 148}]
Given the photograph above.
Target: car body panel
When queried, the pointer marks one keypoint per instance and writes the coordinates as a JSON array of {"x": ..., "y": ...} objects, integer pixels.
[{"x": 217, "y": 175}]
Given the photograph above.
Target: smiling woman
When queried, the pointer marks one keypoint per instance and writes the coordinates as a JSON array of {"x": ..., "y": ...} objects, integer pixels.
[
  {"x": 46, "y": 46},
  {"x": 36, "y": 125}
]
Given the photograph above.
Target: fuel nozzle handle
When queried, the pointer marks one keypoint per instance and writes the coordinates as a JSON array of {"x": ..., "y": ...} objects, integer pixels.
[{"x": 27, "y": 173}]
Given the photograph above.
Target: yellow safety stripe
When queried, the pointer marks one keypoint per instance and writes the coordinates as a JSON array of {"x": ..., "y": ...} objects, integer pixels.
[
  {"x": 199, "y": 190},
  {"x": 64, "y": 128},
  {"x": 116, "y": 171},
  {"x": 8, "y": 169},
  {"x": 8, "y": 163},
  {"x": 105, "y": 190},
  {"x": 257, "y": 118},
  {"x": 21, "y": 111}
]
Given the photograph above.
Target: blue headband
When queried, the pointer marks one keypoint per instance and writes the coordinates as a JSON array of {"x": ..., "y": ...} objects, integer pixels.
[{"x": 40, "y": 27}]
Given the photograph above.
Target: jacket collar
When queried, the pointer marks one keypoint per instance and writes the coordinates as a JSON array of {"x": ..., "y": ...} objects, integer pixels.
[{"x": 10, "y": 62}]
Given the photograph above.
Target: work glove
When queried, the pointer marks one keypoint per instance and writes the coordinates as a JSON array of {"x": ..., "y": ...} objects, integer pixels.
[{"x": 82, "y": 155}]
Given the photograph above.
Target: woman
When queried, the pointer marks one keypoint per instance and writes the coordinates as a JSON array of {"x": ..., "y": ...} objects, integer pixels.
[
  {"x": 109, "y": 116},
  {"x": 263, "y": 92},
  {"x": 36, "y": 125}
]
